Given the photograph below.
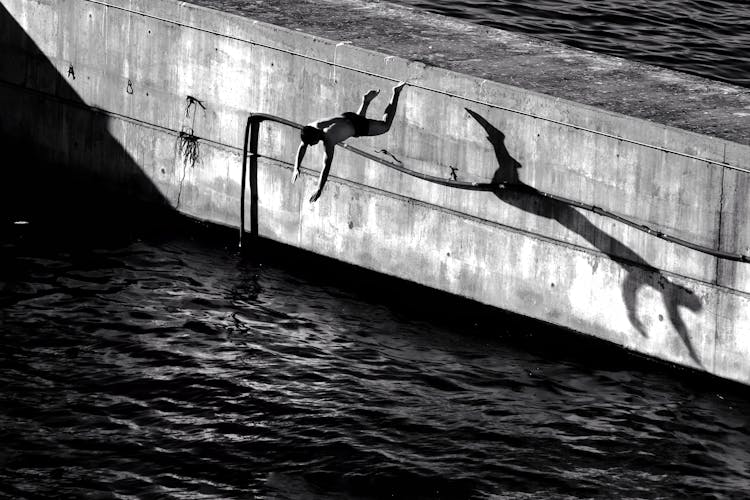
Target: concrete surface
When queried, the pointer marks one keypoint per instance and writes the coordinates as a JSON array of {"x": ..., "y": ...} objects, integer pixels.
[
  {"x": 167, "y": 78},
  {"x": 634, "y": 89}
]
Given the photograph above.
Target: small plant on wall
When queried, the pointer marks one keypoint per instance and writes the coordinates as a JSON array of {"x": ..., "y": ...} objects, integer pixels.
[
  {"x": 188, "y": 147},
  {"x": 187, "y": 140}
]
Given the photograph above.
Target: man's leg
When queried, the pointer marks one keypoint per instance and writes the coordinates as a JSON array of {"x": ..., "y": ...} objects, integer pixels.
[
  {"x": 366, "y": 100},
  {"x": 381, "y": 127}
]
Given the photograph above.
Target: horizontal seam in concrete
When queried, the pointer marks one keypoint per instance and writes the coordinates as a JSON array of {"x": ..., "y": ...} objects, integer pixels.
[
  {"x": 112, "y": 114},
  {"x": 429, "y": 89},
  {"x": 479, "y": 220},
  {"x": 365, "y": 187}
]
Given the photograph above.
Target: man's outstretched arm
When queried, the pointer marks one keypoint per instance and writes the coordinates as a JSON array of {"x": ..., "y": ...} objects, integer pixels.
[
  {"x": 324, "y": 173},
  {"x": 298, "y": 161}
]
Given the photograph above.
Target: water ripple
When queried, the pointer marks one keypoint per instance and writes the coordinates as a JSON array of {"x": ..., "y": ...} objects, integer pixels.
[
  {"x": 706, "y": 38},
  {"x": 176, "y": 370}
]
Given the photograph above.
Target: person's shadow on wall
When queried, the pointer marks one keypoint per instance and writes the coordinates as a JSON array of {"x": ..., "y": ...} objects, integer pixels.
[{"x": 514, "y": 192}]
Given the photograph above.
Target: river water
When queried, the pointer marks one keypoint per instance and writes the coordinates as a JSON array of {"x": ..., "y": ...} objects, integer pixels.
[
  {"x": 140, "y": 363},
  {"x": 709, "y": 38},
  {"x": 145, "y": 364}
]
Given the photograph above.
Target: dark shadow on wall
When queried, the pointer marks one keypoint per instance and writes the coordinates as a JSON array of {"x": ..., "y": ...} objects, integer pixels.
[
  {"x": 530, "y": 200},
  {"x": 56, "y": 152}
]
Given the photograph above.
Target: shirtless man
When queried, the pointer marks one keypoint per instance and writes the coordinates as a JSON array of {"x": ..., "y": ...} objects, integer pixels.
[{"x": 339, "y": 128}]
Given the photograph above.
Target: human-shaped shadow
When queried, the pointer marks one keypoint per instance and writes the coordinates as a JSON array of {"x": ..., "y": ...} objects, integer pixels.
[{"x": 514, "y": 192}]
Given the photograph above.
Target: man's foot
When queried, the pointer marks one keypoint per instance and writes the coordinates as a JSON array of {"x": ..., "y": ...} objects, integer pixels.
[
  {"x": 372, "y": 94},
  {"x": 399, "y": 87}
]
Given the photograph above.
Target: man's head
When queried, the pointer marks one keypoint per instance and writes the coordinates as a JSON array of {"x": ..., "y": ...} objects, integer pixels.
[{"x": 311, "y": 135}]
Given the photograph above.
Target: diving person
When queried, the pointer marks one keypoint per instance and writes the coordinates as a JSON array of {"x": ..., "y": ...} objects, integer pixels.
[{"x": 340, "y": 128}]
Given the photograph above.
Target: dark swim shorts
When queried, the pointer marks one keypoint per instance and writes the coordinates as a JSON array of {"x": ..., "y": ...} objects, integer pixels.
[{"x": 360, "y": 123}]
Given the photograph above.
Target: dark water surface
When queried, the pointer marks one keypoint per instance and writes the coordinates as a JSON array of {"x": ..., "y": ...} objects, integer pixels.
[
  {"x": 163, "y": 365},
  {"x": 709, "y": 38}
]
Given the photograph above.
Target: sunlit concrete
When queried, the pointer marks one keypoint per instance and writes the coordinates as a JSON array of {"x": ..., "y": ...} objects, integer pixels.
[{"x": 166, "y": 73}]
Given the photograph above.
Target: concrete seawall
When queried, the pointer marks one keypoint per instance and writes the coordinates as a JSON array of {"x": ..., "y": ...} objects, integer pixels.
[{"x": 152, "y": 95}]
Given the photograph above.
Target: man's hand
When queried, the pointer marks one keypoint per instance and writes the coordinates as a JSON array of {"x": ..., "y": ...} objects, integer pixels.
[
  {"x": 315, "y": 196},
  {"x": 372, "y": 94}
]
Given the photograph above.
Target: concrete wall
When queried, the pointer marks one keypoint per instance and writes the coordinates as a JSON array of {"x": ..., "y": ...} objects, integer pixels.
[{"x": 136, "y": 62}]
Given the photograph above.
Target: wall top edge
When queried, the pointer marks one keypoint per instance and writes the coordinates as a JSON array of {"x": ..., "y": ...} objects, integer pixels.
[{"x": 613, "y": 86}]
